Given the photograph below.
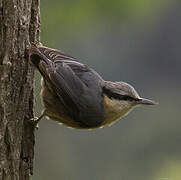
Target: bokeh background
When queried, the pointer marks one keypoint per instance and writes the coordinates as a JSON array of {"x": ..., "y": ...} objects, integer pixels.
[{"x": 137, "y": 41}]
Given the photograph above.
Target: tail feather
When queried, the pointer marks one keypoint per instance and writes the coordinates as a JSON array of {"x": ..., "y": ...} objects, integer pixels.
[{"x": 36, "y": 56}]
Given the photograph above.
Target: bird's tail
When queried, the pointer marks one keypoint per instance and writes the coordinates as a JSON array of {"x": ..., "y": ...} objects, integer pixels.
[
  {"x": 40, "y": 60},
  {"x": 39, "y": 51},
  {"x": 43, "y": 58},
  {"x": 36, "y": 55}
]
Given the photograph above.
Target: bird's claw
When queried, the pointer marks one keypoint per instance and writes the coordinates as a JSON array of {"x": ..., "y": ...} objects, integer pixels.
[{"x": 34, "y": 122}]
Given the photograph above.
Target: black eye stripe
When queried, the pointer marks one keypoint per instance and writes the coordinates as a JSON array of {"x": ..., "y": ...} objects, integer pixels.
[
  {"x": 113, "y": 95},
  {"x": 126, "y": 98}
]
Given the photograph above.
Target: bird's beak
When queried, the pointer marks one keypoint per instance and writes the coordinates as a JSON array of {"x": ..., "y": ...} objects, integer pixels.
[{"x": 146, "y": 102}]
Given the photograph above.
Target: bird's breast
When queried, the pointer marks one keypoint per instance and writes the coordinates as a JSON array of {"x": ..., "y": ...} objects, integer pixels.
[{"x": 114, "y": 110}]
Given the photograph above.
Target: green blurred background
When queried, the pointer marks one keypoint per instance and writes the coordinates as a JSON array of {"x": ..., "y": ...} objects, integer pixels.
[{"x": 137, "y": 41}]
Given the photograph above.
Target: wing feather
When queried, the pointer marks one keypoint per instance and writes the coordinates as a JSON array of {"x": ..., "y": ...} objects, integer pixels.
[
  {"x": 77, "y": 86},
  {"x": 83, "y": 103}
]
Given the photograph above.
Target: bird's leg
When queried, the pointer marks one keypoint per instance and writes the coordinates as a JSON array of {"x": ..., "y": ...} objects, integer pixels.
[{"x": 36, "y": 120}]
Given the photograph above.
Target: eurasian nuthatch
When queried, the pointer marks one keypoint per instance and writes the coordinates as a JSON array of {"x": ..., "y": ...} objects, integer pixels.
[{"x": 76, "y": 95}]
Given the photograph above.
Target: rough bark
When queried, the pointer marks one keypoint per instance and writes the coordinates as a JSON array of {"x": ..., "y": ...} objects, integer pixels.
[{"x": 19, "y": 25}]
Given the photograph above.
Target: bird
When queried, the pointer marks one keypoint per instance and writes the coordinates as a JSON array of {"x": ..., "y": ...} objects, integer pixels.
[{"x": 76, "y": 96}]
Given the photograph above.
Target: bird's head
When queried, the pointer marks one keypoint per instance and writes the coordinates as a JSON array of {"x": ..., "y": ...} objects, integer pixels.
[{"x": 123, "y": 97}]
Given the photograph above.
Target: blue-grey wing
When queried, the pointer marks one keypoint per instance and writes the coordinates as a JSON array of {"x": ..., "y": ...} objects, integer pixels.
[{"x": 79, "y": 88}]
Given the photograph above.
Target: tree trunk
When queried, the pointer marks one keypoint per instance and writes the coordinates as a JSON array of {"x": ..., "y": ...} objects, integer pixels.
[{"x": 19, "y": 25}]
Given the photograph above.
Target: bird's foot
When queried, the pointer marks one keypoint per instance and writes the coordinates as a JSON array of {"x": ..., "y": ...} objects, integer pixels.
[{"x": 34, "y": 121}]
